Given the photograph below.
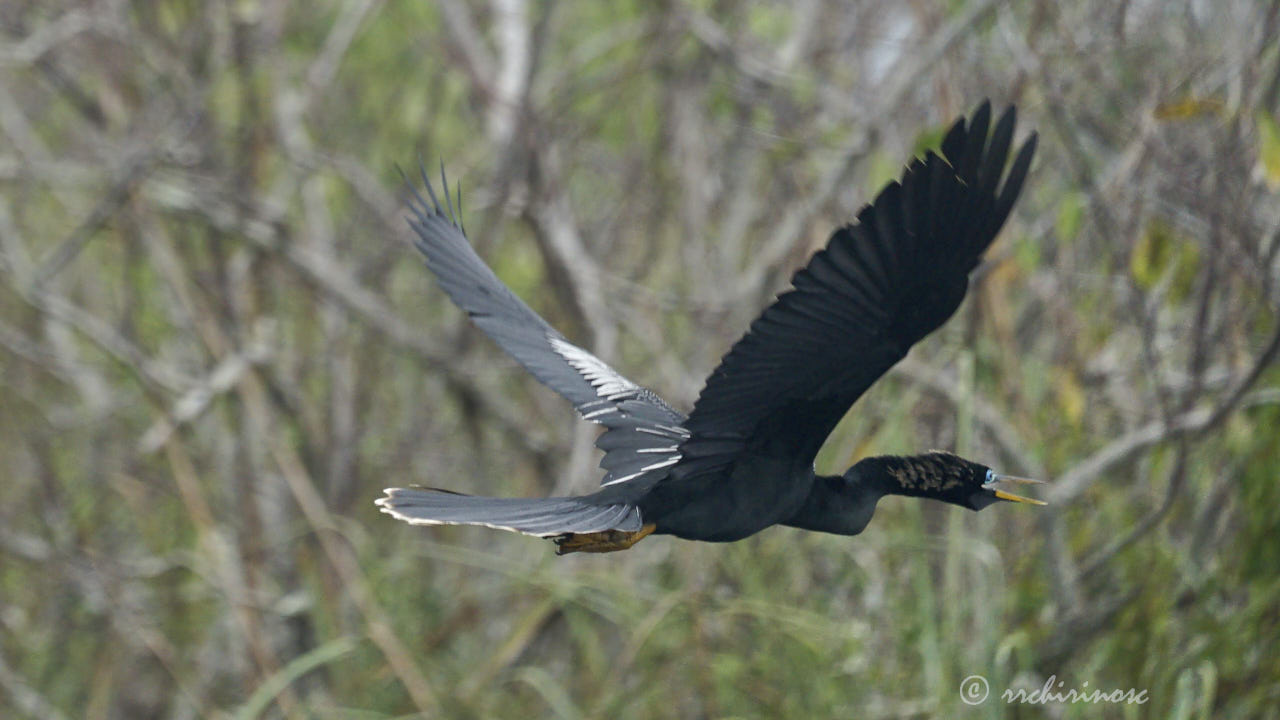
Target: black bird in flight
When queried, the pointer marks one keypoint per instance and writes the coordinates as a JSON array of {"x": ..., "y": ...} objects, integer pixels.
[{"x": 742, "y": 459}]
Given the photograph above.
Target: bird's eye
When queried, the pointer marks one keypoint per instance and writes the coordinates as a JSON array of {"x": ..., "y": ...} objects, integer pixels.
[{"x": 991, "y": 477}]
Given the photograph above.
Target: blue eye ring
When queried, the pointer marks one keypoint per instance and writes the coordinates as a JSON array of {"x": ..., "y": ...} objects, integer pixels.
[{"x": 991, "y": 477}]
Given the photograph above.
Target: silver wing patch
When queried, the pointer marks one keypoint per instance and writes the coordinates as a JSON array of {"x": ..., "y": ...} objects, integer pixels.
[
  {"x": 667, "y": 462},
  {"x": 632, "y": 449},
  {"x": 609, "y": 385}
]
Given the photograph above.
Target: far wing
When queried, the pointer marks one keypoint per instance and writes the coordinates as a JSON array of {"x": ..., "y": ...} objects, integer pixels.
[
  {"x": 881, "y": 285},
  {"x": 644, "y": 431}
]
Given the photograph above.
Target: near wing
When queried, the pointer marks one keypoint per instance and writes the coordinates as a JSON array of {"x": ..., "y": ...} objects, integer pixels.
[
  {"x": 881, "y": 284},
  {"x": 643, "y": 431}
]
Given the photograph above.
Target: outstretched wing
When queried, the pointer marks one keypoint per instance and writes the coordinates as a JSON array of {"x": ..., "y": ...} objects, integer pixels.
[
  {"x": 643, "y": 431},
  {"x": 881, "y": 284}
]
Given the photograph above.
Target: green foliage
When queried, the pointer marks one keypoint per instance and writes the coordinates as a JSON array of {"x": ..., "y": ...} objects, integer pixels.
[
  {"x": 1071, "y": 209},
  {"x": 1269, "y": 149},
  {"x": 1161, "y": 256}
]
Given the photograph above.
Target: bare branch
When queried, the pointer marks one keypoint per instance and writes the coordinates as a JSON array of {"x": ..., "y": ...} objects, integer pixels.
[
  {"x": 1077, "y": 480},
  {"x": 47, "y": 37},
  {"x": 24, "y": 695}
]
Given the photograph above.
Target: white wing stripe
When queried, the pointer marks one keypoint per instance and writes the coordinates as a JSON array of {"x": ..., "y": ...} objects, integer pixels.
[
  {"x": 611, "y": 387},
  {"x": 664, "y": 430},
  {"x": 665, "y": 463},
  {"x": 608, "y": 384},
  {"x": 647, "y": 468}
]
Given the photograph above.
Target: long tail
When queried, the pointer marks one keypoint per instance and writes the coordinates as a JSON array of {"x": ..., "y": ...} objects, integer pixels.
[{"x": 542, "y": 517}]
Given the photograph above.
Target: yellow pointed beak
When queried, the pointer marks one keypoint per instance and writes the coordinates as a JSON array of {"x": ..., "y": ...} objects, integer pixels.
[{"x": 1017, "y": 498}]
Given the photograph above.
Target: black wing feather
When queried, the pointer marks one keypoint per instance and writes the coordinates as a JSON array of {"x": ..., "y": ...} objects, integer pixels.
[{"x": 879, "y": 286}]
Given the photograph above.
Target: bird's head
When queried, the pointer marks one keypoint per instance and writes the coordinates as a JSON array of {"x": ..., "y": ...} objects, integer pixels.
[{"x": 941, "y": 476}]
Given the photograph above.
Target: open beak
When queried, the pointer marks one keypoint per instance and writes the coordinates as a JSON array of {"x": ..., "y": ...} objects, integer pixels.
[{"x": 1017, "y": 498}]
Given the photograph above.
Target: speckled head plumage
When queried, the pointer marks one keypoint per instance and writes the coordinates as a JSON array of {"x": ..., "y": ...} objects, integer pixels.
[{"x": 940, "y": 475}]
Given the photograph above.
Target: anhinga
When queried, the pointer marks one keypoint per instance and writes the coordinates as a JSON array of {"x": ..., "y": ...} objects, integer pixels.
[{"x": 742, "y": 459}]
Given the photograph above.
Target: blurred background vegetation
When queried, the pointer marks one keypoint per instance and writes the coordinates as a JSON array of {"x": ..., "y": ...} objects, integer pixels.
[{"x": 217, "y": 347}]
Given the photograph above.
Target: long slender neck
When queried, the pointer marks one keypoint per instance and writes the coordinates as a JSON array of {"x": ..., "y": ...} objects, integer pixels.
[
  {"x": 838, "y": 504},
  {"x": 844, "y": 504}
]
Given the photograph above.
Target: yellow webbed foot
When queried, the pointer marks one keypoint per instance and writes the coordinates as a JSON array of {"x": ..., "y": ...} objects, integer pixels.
[{"x": 600, "y": 542}]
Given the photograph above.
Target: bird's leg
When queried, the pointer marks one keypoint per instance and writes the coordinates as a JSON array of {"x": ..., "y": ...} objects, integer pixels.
[{"x": 600, "y": 542}]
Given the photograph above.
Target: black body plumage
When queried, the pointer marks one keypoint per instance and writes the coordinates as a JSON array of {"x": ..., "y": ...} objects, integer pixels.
[{"x": 742, "y": 460}]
